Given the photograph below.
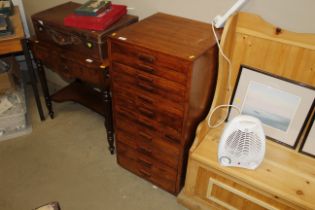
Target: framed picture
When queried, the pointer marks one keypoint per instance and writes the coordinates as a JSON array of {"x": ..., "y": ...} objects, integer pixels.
[
  {"x": 308, "y": 145},
  {"x": 282, "y": 106}
]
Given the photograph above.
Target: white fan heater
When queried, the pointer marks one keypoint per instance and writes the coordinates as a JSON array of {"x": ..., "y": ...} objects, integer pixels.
[{"x": 242, "y": 143}]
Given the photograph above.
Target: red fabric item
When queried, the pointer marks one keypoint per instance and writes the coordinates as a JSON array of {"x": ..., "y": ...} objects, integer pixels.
[{"x": 100, "y": 22}]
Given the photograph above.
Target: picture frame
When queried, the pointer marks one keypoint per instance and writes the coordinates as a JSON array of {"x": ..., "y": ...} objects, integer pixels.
[
  {"x": 283, "y": 106},
  {"x": 308, "y": 144}
]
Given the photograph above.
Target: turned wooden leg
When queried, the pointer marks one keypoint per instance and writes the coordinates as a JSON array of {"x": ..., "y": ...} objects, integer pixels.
[
  {"x": 31, "y": 73},
  {"x": 109, "y": 121},
  {"x": 43, "y": 81}
]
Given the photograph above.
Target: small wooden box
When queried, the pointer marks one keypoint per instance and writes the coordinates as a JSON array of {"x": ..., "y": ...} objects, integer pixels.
[{"x": 49, "y": 27}]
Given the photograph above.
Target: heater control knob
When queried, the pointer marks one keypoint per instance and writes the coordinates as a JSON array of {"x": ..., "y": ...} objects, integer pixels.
[{"x": 225, "y": 160}]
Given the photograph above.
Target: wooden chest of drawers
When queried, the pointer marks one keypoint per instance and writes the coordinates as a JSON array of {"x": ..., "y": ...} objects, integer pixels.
[{"x": 163, "y": 71}]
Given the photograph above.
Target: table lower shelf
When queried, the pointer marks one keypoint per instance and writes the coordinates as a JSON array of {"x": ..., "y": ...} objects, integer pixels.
[{"x": 82, "y": 94}]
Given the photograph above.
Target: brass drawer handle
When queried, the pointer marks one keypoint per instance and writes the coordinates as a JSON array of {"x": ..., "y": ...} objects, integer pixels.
[
  {"x": 122, "y": 113},
  {"x": 145, "y": 87},
  {"x": 144, "y": 163},
  {"x": 66, "y": 68},
  {"x": 40, "y": 28},
  {"x": 146, "y": 125},
  {"x": 146, "y": 58},
  {"x": 62, "y": 56},
  {"x": 145, "y": 136},
  {"x": 146, "y": 112},
  {"x": 146, "y": 68},
  {"x": 144, "y": 151},
  {"x": 147, "y": 100},
  {"x": 145, "y": 79},
  {"x": 144, "y": 173},
  {"x": 63, "y": 40},
  {"x": 172, "y": 139}
]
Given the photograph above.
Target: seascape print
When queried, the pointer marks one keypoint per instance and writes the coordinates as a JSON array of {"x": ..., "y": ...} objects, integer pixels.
[{"x": 274, "y": 107}]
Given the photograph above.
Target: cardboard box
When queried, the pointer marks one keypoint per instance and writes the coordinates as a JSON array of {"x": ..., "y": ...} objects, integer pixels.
[
  {"x": 8, "y": 79},
  {"x": 6, "y": 82},
  {"x": 13, "y": 118}
]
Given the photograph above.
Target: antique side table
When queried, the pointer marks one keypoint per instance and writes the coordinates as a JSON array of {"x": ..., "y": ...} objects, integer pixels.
[{"x": 75, "y": 54}]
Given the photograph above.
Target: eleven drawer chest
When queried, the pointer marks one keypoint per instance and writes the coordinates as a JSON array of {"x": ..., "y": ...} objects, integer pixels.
[{"x": 163, "y": 73}]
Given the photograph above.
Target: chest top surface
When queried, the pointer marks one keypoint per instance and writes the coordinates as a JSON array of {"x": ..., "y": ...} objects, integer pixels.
[{"x": 177, "y": 36}]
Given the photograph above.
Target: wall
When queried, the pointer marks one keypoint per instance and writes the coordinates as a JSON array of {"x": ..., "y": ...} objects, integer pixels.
[
  {"x": 294, "y": 15},
  {"x": 19, "y": 3}
]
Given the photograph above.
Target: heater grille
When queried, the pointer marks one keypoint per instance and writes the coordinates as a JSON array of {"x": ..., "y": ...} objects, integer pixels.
[{"x": 242, "y": 143}]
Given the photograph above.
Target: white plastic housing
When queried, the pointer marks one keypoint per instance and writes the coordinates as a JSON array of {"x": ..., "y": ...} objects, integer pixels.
[{"x": 242, "y": 143}]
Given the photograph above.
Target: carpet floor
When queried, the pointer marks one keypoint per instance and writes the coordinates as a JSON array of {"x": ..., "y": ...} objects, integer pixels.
[{"x": 66, "y": 160}]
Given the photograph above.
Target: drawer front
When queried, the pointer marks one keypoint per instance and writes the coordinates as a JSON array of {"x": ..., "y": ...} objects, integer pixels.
[
  {"x": 73, "y": 41},
  {"x": 150, "y": 62},
  {"x": 235, "y": 196},
  {"x": 163, "y": 115},
  {"x": 139, "y": 126},
  {"x": 146, "y": 99},
  {"x": 157, "y": 173},
  {"x": 147, "y": 143},
  {"x": 85, "y": 71},
  {"x": 132, "y": 78},
  {"x": 70, "y": 65},
  {"x": 49, "y": 57},
  {"x": 152, "y": 151},
  {"x": 143, "y": 122}
]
